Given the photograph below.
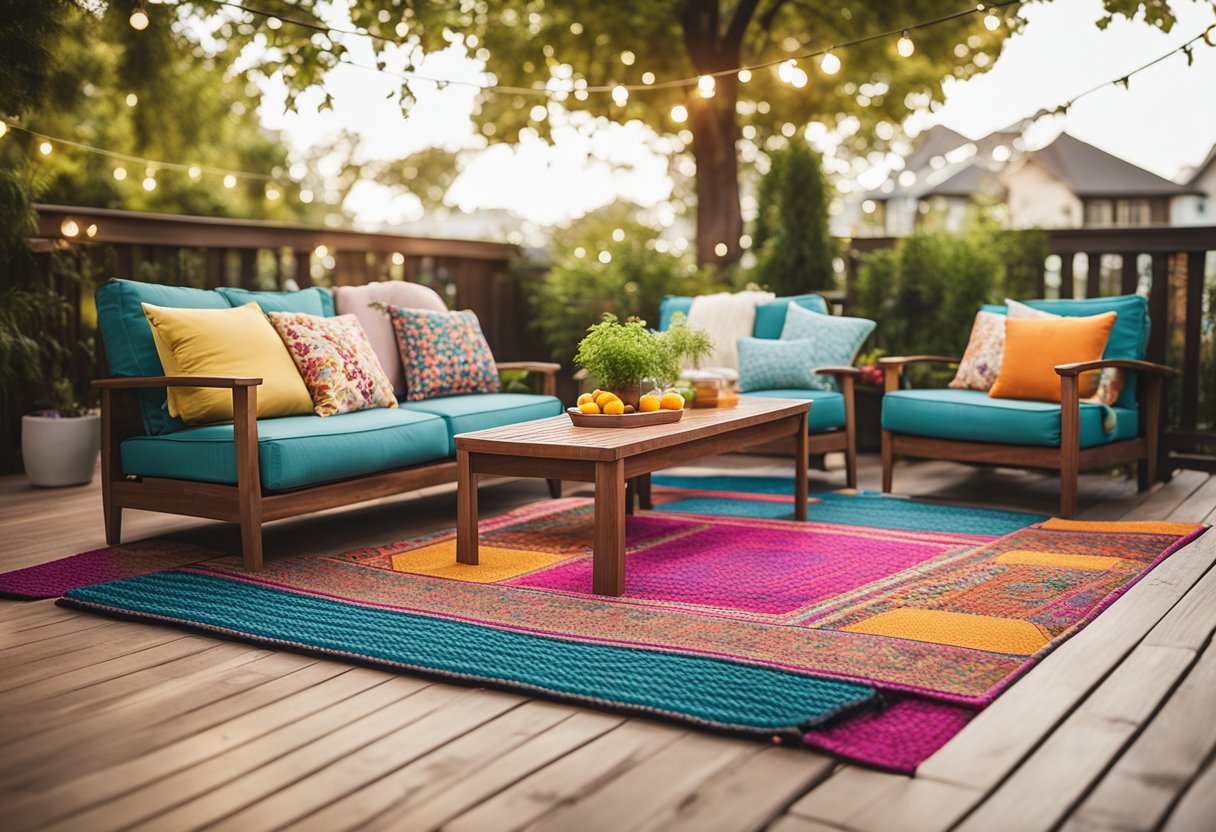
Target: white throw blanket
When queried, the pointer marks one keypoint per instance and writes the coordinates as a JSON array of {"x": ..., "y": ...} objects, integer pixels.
[{"x": 725, "y": 317}]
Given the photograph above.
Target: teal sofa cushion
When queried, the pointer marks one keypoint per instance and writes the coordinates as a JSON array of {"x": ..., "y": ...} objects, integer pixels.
[
  {"x": 311, "y": 301},
  {"x": 479, "y": 411},
  {"x": 294, "y": 451},
  {"x": 827, "y": 408},
  {"x": 1128, "y": 337},
  {"x": 770, "y": 317},
  {"x": 971, "y": 416},
  {"x": 128, "y": 338}
]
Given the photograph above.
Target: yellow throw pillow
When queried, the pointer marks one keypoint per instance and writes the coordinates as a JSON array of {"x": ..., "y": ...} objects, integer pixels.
[
  {"x": 1033, "y": 348},
  {"x": 225, "y": 342}
]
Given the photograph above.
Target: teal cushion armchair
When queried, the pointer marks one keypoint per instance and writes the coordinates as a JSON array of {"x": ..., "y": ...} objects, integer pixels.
[{"x": 969, "y": 426}]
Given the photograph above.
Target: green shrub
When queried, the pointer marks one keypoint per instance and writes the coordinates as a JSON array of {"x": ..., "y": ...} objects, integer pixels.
[
  {"x": 579, "y": 289},
  {"x": 794, "y": 248}
]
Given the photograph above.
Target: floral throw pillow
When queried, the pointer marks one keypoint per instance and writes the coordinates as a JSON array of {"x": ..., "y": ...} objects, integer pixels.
[
  {"x": 336, "y": 361},
  {"x": 982, "y": 358},
  {"x": 444, "y": 353}
]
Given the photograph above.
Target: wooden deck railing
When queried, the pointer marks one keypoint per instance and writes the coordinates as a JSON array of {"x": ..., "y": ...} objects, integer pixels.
[{"x": 1176, "y": 269}]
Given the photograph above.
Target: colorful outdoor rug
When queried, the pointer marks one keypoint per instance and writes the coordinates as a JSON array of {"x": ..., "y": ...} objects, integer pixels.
[
  {"x": 877, "y": 644},
  {"x": 52, "y": 579}
]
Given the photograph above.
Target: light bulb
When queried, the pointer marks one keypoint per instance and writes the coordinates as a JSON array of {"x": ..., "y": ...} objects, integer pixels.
[
  {"x": 132, "y": 99},
  {"x": 45, "y": 148},
  {"x": 830, "y": 64},
  {"x": 230, "y": 181},
  {"x": 120, "y": 173},
  {"x": 905, "y": 47},
  {"x": 620, "y": 95},
  {"x": 69, "y": 228},
  {"x": 647, "y": 77},
  {"x": 398, "y": 258},
  {"x": 706, "y": 85},
  {"x": 273, "y": 193},
  {"x": 992, "y": 22},
  {"x": 720, "y": 249},
  {"x": 91, "y": 230},
  {"x": 149, "y": 182},
  {"x": 679, "y": 114},
  {"x": 194, "y": 172},
  {"x": 745, "y": 75},
  {"x": 139, "y": 17}
]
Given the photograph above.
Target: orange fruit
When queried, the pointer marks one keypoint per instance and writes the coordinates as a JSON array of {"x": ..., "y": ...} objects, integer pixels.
[
  {"x": 590, "y": 408},
  {"x": 649, "y": 403},
  {"x": 603, "y": 399},
  {"x": 672, "y": 401},
  {"x": 614, "y": 408},
  {"x": 583, "y": 399},
  {"x": 596, "y": 393}
]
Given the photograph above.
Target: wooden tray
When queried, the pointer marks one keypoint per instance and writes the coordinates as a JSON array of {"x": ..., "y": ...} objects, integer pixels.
[{"x": 624, "y": 420}]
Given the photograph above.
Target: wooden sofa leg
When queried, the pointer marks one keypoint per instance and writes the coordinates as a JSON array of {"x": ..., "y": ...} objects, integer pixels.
[
  {"x": 1070, "y": 445},
  {"x": 888, "y": 461},
  {"x": 113, "y": 521},
  {"x": 850, "y": 462},
  {"x": 555, "y": 488},
  {"x": 251, "y": 545},
  {"x": 248, "y": 475}
]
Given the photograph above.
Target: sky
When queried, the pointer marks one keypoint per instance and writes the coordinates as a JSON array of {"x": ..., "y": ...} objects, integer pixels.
[{"x": 1164, "y": 122}]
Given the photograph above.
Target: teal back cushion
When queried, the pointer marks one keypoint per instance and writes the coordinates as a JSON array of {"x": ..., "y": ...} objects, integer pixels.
[
  {"x": 311, "y": 301},
  {"x": 1128, "y": 337},
  {"x": 128, "y": 338},
  {"x": 770, "y": 317}
]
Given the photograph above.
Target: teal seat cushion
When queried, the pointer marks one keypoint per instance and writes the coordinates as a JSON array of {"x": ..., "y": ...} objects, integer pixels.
[
  {"x": 1128, "y": 337},
  {"x": 770, "y": 317},
  {"x": 827, "y": 408},
  {"x": 479, "y": 411},
  {"x": 971, "y": 416},
  {"x": 294, "y": 451},
  {"x": 311, "y": 301},
  {"x": 128, "y": 338}
]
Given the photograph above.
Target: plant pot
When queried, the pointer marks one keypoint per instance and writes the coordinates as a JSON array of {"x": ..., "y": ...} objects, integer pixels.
[
  {"x": 628, "y": 393},
  {"x": 60, "y": 451}
]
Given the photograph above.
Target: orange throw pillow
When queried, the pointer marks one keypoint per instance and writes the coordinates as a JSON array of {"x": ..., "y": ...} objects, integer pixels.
[{"x": 1033, "y": 348}]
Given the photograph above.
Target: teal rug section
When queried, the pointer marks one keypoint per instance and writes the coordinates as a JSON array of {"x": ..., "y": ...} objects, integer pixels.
[
  {"x": 863, "y": 508},
  {"x": 712, "y": 692}
]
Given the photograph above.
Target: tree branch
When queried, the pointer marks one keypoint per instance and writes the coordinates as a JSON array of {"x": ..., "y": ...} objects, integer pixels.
[{"x": 741, "y": 19}]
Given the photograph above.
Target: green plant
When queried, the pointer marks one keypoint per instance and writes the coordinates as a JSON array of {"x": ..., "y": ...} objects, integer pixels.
[
  {"x": 681, "y": 345},
  {"x": 794, "y": 247},
  {"x": 618, "y": 354}
]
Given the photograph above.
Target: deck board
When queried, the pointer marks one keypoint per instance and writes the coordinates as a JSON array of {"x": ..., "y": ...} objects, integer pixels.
[{"x": 184, "y": 731}]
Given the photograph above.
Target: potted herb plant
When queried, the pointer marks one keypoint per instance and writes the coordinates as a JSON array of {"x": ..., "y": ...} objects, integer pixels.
[
  {"x": 60, "y": 445},
  {"x": 620, "y": 356}
]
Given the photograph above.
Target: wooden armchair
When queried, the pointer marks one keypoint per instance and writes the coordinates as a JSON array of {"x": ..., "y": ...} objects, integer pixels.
[{"x": 1065, "y": 455}]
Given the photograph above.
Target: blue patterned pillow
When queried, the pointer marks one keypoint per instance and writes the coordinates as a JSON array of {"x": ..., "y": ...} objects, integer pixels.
[
  {"x": 824, "y": 341},
  {"x": 771, "y": 364}
]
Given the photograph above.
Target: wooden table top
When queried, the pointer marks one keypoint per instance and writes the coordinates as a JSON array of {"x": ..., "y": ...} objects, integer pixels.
[{"x": 558, "y": 438}]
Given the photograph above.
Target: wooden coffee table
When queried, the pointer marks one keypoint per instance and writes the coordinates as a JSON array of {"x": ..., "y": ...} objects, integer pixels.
[{"x": 611, "y": 457}]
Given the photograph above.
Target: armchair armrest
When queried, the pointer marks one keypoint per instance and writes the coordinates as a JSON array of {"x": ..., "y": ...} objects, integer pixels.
[
  {"x": 893, "y": 366},
  {"x": 546, "y": 368},
  {"x": 1120, "y": 363},
  {"x": 223, "y": 382}
]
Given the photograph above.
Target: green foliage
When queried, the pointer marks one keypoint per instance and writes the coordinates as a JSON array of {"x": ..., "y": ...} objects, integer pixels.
[
  {"x": 618, "y": 353},
  {"x": 925, "y": 291},
  {"x": 579, "y": 288},
  {"x": 794, "y": 246},
  {"x": 681, "y": 345}
]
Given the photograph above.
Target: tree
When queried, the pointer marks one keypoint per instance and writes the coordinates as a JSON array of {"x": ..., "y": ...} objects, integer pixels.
[{"x": 793, "y": 243}]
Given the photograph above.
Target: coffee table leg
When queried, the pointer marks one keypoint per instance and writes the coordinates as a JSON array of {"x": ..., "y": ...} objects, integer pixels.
[
  {"x": 644, "y": 500},
  {"x": 802, "y": 450},
  {"x": 608, "y": 565},
  {"x": 466, "y": 510}
]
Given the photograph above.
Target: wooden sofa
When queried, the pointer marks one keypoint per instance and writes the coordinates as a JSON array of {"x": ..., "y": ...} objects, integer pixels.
[
  {"x": 232, "y": 483},
  {"x": 1009, "y": 432}
]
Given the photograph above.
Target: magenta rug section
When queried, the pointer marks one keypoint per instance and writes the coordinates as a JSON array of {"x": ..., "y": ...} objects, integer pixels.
[
  {"x": 897, "y": 737},
  {"x": 773, "y": 570},
  {"x": 50, "y": 580}
]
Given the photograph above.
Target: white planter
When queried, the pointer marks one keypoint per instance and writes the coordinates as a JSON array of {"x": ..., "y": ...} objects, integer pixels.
[{"x": 60, "y": 451}]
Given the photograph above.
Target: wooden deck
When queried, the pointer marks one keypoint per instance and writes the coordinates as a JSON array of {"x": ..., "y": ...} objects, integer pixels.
[{"x": 108, "y": 724}]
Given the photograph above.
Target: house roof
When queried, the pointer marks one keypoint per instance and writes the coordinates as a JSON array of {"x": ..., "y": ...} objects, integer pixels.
[
  {"x": 936, "y": 141},
  {"x": 1090, "y": 172},
  {"x": 968, "y": 180},
  {"x": 1207, "y": 163}
]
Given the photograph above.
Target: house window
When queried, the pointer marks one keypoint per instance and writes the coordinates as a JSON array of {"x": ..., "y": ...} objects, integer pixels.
[
  {"x": 1132, "y": 212},
  {"x": 1099, "y": 212}
]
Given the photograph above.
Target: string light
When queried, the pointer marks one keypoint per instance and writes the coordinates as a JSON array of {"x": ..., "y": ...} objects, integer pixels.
[
  {"x": 679, "y": 114},
  {"x": 45, "y": 148},
  {"x": 829, "y": 63},
  {"x": 647, "y": 78},
  {"x": 120, "y": 173},
  {"x": 194, "y": 172},
  {"x": 706, "y": 85},
  {"x": 745, "y": 75},
  {"x": 91, "y": 231},
  {"x": 139, "y": 16},
  {"x": 230, "y": 181},
  {"x": 904, "y": 46},
  {"x": 132, "y": 99},
  {"x": 149, "y": 180},
  {"x": 69, "y": 228},
  {"x": 620, "y": 95},
  {"x": 992, "y": 22}
]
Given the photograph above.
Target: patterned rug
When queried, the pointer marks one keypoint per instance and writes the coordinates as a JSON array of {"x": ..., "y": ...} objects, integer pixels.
[
  {"x": 54, "y": 578},
  {"x": 877, "y": 643}
]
